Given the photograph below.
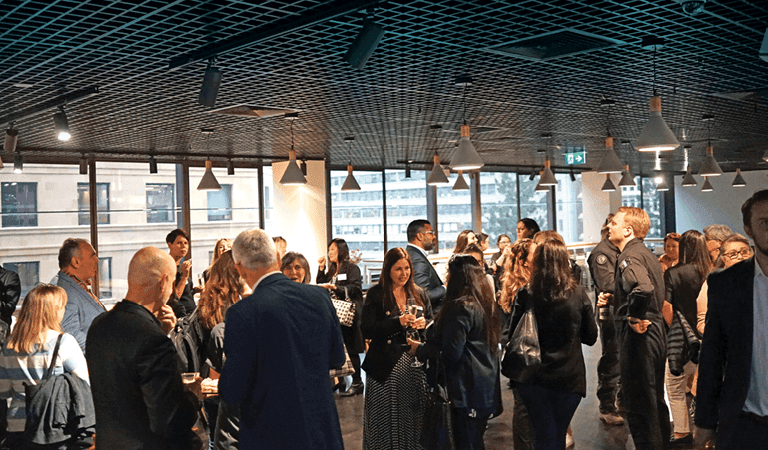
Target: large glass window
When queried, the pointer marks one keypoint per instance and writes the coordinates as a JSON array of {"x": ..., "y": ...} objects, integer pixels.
[
  {"x": 499, "y": 202},
  {"x": 454, "y": 213},
  {"x": 84, "y": 203},
  {"x": 19, "y": 204},
  {"x": 631, "y": 195},
  {"x": 220, "y": 204},
  {"x": 105, "y": 278},
  {"x": 29, "y": 274},
  {"x": 357, "y": 216},
  {"x": 570, "y": 210},
  {"x": 533, "y": 204},
  {"x": 652, "y": 205},
  {"x": 160, "y": 202},
  {"x": 406, "y": 201}
]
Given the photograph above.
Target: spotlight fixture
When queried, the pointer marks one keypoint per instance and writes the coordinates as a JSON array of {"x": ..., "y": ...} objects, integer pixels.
[
  {"x": 765, "y": 156},
  {"x": 11, "y": 139},
  {"x": 18, "y": 163},
  {"x": 364, "y": 44},
  {"x": 466, "y": 157},
  {"x": 83, "y": 165},
  {"x": 707, "y": 186},
  {"x": 152, "y": 165},
  {"x": 573, "y": 177},
  {"x": 656, "y": 135},
  {"x": 350, "y": 184},
  {"x": 627, "y": 179},
  {"x": 532, "y": 175},
  {"x": 608, "y": 186},
  {"x": 547, "y": 177},
  {"x": 692, "y": 7},
  {"x": 293, "y": 174},
  {"x": 710, "y": 168},
  {"x": 738, "y": 180},
  {"x": 230, "y": 167},
  {"x": 662, "y": 185},
  {"x": 437, "y": 176},
  {"x": 61, "y": 125},
  {"x": 303, "y": 167},
  {"x": 211, "y": 83},
  {"x": 461, "y": 184},
  {"x": 688, "y": 180},
  {"x": 408, "y": 170}
]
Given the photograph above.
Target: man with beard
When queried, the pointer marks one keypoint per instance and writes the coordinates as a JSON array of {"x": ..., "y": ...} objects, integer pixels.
[{"x": 421, "y": 239}]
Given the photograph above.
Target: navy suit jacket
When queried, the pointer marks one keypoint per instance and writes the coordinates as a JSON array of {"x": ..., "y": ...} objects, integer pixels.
[
  {"x": 726, "y": 350},
  {"x": 425, "y": 276},
  {"x": 279, "y": 344}
]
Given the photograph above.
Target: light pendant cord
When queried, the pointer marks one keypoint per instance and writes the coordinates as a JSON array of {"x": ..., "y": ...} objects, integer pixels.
[
  {"x": 654, "y": 70},
  {"x": 464, "y": 114}
]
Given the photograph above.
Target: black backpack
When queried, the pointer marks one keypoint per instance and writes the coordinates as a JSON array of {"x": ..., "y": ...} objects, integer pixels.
[{"x": 187, "y": 336}]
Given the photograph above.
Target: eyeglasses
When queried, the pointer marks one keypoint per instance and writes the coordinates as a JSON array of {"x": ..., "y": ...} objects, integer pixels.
[
  {"x": 430, "y": 232},
  {"x": 745, "y": 253}
]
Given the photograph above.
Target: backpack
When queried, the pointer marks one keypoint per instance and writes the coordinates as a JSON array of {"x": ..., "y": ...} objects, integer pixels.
[{"x": 187, "y": 337}]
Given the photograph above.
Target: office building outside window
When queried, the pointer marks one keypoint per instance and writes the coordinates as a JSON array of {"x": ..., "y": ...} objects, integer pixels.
[
  {"x": 406, "y": 201},
  {"x": 19, "y": 204},
  {"x": 220, "y": 204},
  {"x": 160, "y": 203},
  {"x": 105, "y": 278},
  {"x": 454, "y": 213},
  {"x": 649, "y": 200},
  {"x": 29, "y": 274},
  {"x": 84, "y": 203},
  {"x": 357, "y": 216}
]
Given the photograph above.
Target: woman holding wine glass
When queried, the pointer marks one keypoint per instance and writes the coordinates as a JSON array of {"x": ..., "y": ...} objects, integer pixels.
[
  {"x": 344, "y": 282},
  {"x": 396, "y": 388}
]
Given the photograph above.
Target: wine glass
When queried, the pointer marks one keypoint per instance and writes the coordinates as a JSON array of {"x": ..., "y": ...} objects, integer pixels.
[{"x": 414, "y": 335}]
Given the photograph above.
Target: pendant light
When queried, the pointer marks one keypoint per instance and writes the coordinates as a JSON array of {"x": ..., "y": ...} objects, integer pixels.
[
  {"x": 292, "y": 175},
  {"x": 437, "y": 176},
  {"x": 540, "y": 187},
  {"x": 662, "y": 185},
  {"x": 656, "y": 135},
  {"x": 738, "y": 180},
  {"x": 350, "y": 184},
  {"x": 547, "y": 177},
  {"x": 11, "y": 139},
  {"x": 608, "y": 186},
  {"x": 208, "y": 182},
  {"x": 688, "y": 180},
  {"x": 83, "y": 164},
  {"x": 707, "y": 186},
  {"x": 461, "y": 184},
  {"x": 61, "y": 125},
  {"x": 710, "y": 168},
  {"x": 466, "y": 157},
  {"x": 627, "y": 179},
  {"x": 610, "y": 163},
  {"x": 152, "y": 165}
]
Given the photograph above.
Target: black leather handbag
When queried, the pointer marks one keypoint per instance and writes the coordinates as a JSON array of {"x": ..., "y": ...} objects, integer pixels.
[
  {"x": 437, "y": 428},
  {"x": 522, "y": 355}
]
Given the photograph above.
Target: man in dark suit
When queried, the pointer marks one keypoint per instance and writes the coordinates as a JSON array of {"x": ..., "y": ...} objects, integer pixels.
[
  {"x": 137, "y": 390},
  {"x": 280, "y": 343},
  {"x": 10, "y": 290},
  {"x": 732, "y": 393},
  {"x": 421, "y": 239}
]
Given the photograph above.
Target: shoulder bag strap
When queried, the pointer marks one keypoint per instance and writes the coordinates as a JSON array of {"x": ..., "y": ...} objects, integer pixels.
[{"x": 55, "y": 355}]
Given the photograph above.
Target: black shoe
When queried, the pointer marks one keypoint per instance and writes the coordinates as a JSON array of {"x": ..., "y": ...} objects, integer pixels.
[
  {"x": 355, "y": 389},
  {"x": 339, "y": 386},
  {"x": 681, "y": 442}
]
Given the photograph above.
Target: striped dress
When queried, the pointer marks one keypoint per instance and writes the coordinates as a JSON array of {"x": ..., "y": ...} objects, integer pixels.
[{"x": 18, "y": 368}]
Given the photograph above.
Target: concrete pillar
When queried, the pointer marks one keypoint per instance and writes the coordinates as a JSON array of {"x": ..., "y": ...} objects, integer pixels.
[{"x": 597, "y": 204}]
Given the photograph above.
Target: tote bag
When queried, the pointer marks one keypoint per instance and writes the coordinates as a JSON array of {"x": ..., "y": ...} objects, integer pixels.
[{"x": 522, "y": 357}]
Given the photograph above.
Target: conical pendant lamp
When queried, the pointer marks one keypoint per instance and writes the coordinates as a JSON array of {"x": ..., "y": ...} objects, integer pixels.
[
  {"x": 608, "y": 186},
  {"x": 662, "y": 185},
  {"x": 610, "y": 162},
  {"x": 293, "y": 175},
  {"x": 208, "y": 182},
  {"x": 656, "y": 135},
  {"x": 707, "y": 186},
  {"x": 547, "y": 177},
  {"x": 710, "y": 168},
  {"x": 627, "y": 179},
  {"x": 461, "y": 184},
  {"x": 437, "y": 176},
  {"x": 688, "y": 180},
  {"x": 540, "y": 187},
  {"x": 738, "y": 180},
  {"x": 350, "y": 184},
  {"x": 466, "y": 157}
]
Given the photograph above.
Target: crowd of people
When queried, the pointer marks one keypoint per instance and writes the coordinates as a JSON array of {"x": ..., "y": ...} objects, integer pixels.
[{"x": 247, "y": 365}]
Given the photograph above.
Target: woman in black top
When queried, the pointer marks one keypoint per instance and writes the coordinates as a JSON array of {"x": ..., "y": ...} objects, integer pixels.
[
  {"x": 395, "y": 392},
  {"x": 683, "y": 283},
  {"x": 467, "y": 334},
  {"x": 565, "y": 320},
  {"x": 344, "y": 282}
]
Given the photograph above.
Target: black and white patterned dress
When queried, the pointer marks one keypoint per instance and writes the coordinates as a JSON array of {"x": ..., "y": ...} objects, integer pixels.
[{"x": 394, "y": 410}]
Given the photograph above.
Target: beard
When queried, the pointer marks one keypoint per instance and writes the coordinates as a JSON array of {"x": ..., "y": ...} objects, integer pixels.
[{"x": 429, "y": 245}]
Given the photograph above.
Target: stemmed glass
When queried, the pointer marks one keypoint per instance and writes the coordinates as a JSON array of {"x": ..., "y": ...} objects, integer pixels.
[{"x": 412, "y": 333}]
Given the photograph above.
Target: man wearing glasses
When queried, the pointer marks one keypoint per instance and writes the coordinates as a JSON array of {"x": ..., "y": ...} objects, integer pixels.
[
  {"x": 421, "y": 239},
  {"x": 732, "y": 394}
]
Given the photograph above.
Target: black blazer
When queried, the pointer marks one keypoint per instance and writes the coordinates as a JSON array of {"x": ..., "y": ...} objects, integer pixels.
[
  {"x": 471, "y": 369},
  {"x": 350, "y": 289},
  {"x": 563, "y": 327},
  {"x": 10, "y": 290},
  {"x": 425, "y": 276},
  {"x": 382, "y": 327},
  {"x": 726, "y": 350},
  {"x": 137, "y": 391},
  {"x": 683, "y": 284}
]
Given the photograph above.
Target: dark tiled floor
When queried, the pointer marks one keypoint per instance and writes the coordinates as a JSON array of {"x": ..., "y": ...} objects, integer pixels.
[{"x": 589, "y": 432}]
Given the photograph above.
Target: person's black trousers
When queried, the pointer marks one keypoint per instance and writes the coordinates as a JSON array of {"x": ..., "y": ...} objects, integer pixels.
[
  {"x": 348, "y": 334},
  {"x": 741, "y": 433},
  {"x": 468, "y": 431},
  {"x": 642, "y": 361},
  {"x": 608, "y": 370},
  {"x": 551, "y": 412}
]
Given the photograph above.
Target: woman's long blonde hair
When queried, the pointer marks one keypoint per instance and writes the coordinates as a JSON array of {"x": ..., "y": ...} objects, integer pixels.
[
  {"x": 223, "y": 289},
  {"x": 40, "y": 312},
  {"x": 516, "y": 274}
]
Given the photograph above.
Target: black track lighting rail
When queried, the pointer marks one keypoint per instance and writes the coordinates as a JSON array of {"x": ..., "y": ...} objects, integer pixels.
[{"x": 61, "y": 100}]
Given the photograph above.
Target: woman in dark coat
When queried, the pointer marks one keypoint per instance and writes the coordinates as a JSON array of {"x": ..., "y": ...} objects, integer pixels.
[
  {"x": 344, "y": 282},
  {"x": 467, "y": 334},
  {"x": 396, "y": 391},
  {"x": 565, "y": 320}
]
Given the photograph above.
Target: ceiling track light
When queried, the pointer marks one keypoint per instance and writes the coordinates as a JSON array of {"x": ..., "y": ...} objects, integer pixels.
[
  {"x": 656, "y": 135},
  {"x": 11, "y": 139},
  {"x": 437, "y": 175},
  {"x": 738, "y": 180},
  {"x": 293, "y": 175},
  {"x": 83, "y": 165},
  {"x": 364, "y": 44},
  {"x": 573, "y": 177},
  {"x": 608, "y": 186},
  {"x": 18, "y": 163},
  {"x": 211, "y": 83},
  {"x": 303, "y": 167},
  {"x": 350, "y": 184},
  {"x": 707, "y": 186},
  {"x": 230, "y": 167},
  {"x": 466, "y": 156},
  {"x": 152, "y": 165},
  {"x": 61, "y": 125},
  {"x": 461, "y": 184},
  {"x": 408, "y": 170},
  {"x": 627, "y": 179},
  {"x": 532, "y": 175}
]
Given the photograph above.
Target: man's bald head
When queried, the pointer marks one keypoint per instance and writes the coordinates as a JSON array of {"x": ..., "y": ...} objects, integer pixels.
[{"x": 151, "y": 274}]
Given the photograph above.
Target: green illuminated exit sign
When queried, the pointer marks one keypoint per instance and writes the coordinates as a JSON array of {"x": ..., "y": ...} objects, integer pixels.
[{"x": 575, "y": 158}]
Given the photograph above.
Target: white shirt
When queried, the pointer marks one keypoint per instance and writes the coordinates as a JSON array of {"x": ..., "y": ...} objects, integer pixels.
[
  {"x": 423, "y": 252},
  {"x": 757, "y": 395}
]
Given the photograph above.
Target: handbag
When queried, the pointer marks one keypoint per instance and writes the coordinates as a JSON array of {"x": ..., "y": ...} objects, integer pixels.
[
  {"x": 522, "y": 356},
  {"x": 437, "y": 427},
  {"x": 346, "y": 370},
  {"x": 35, "y": 416},
  {"x": 345, "y": 310}
]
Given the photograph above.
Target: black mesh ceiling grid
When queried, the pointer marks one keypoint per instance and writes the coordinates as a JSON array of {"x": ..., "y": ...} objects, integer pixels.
[{"x": 709, "y": 65}]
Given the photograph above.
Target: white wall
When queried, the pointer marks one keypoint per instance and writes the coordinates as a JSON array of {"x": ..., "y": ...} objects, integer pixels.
[
  {"x": 597, "y": 204},
  {"x": 695, "y": 209}
]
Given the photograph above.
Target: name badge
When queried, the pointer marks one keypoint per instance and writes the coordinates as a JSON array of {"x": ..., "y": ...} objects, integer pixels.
[{"x": 342, "y": 277}]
